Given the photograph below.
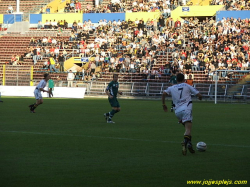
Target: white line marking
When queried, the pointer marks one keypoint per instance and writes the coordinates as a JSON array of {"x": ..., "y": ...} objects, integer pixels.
[{"x": 117, "y": 138}]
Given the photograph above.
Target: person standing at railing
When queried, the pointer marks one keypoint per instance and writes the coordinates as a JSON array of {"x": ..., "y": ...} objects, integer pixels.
[
  {"x": 52, "y": 64},
  {"x": 61, "y": 62},
  {"x": 166, "y": 11},
  {"x": 13, "y": 60},
  {"x": 70, "y": 78},
  {"x": 190, "y": 80},
  {"x": 67, "y": 7},
  {"x": 177, "y": 24},
  {"x": 65, "y": 54},
  {"x": 170, "y": 22},
  {"x": 93, "y": 67},
  {"x": 48, "y": 10},
  {"x": 51, "y": 87},
  {"x": 42, "y": 10},
  {"x": 34, "y": 55},
  {"x": 10, "y": 9},
  {"x": 167, "y": 68},
  {"x": 83, "y": 73},
  {"x": 17, "y": 60},
  {"x": 161, "y": 23},
  {"x": 39, "y": 25},
  {"x": 78, "y": 7},
  {"x": 56, "y": 52}
]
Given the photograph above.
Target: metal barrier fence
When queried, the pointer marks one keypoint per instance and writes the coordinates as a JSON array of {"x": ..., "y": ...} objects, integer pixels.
[
  {"x": 225, "y": 92},
  {"x": 20, "y": 76}
]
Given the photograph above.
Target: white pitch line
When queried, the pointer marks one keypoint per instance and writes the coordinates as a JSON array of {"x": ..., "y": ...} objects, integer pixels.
[{"x": 117, "y": 138}]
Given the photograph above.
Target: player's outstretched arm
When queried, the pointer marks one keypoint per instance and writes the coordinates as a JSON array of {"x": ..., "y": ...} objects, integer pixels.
[
  {"x": 41, "y": 89},
  {"x": 199, "y": 96},
  {"x": 165, "y": 108},
  {"x": 109, "y": 95}
]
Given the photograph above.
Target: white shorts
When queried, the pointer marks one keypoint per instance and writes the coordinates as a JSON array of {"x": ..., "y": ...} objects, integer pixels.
[
  {"x": 184, "y": 113},
  {"x": 38, "y": 94}
]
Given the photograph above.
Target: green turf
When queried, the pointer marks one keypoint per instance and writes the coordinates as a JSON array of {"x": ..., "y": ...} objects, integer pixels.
[{"x": 68, "y": 143}]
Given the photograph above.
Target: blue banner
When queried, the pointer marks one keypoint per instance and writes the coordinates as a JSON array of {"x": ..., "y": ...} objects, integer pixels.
[
  {"x": 96, "y": 17},
  {"x": 12, "y": 18},
  {"x": 243, "y": 14},
  {"x": 185, "y": 9},
  {"x": 84, "y": 59},
  {"x": 34, "y": 18}
]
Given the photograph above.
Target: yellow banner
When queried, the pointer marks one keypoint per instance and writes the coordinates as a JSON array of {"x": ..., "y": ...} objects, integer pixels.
[
  {"x": 57, "y": 5},
  {"x": 1, "y": 18},
  {"x": 69, "y": 17},
  {"x": 195, "y": 11}
]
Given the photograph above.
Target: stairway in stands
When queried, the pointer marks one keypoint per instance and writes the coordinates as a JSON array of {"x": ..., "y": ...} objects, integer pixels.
[
  {"x": 15, "y": 74},
  {"x": 85, "y": 2},
  {"x": 20, "y": 74},
  {"x": 12, "y": 45}
]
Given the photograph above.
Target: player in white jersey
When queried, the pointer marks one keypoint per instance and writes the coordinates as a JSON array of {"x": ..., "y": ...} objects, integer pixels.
[
  {"x": 181, "y": 96},
  {"x": 38, "y": 95}
]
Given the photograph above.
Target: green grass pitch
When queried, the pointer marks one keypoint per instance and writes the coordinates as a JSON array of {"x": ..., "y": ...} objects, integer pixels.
[{"x": 68, "y": 143}]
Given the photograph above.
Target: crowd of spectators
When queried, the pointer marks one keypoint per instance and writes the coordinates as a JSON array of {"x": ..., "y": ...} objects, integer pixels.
[
  {"x": 15, "y": 60},
  {"x": 150, "y": 47},
  {"x": 138, "y": 46},
  {"x": 51, "y": 50},
  {"x": 165, "y": 7},
  {"x": 73, "y": 6},
  {"x": 45, "y": 10},
  {"x": 147, "y": 6},
  {"x": 233, "y": 4},
  {"x": 125, "y": 6}
]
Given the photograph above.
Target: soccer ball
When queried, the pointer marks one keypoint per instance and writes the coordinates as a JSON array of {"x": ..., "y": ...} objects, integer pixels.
[{"x": 201, "y": 146}]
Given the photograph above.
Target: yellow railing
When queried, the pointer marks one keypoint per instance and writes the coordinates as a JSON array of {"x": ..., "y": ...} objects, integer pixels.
[
  {"x": 31, "y": 75},
  {"x": 3, "y": 75}
]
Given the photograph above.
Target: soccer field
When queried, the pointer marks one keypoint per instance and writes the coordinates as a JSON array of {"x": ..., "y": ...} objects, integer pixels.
[{"x": 68, "y": 143}]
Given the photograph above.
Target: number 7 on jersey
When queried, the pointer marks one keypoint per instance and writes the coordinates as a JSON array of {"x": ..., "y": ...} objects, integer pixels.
[{"x": 180, "y": 89}]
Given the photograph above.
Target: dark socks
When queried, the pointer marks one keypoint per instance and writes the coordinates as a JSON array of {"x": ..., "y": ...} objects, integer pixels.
[
  {"x": 33, "y": 106},
  {"x": 111, "y": 114},
  {"x": 187, "y": 138}
]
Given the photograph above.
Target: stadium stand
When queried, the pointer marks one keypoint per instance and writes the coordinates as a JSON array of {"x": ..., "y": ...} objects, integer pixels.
[
  {"x": 233, "y": 5},
  {"x": 26, "y": 6},
  {"x": 156, "y": 48}
]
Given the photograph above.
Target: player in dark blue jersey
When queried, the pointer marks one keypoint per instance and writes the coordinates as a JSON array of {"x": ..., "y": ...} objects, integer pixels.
[{"x": 112, "y": 90}]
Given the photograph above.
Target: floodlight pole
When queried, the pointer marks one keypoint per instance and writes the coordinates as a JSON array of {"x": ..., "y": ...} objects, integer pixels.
[
  {"x": 96, "y": 3},
  {"x": 17, "y": 5}
]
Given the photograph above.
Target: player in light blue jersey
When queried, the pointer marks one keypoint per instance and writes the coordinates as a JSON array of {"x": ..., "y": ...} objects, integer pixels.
[
  {"x": 37, "y": 92},
  {"x": 181, "y": 96}
]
